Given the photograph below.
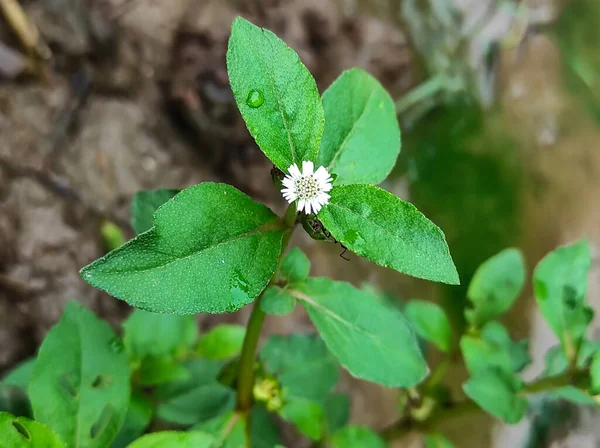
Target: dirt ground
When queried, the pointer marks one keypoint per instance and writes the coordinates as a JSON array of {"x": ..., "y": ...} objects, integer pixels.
[{"x": 136, "y": 97}]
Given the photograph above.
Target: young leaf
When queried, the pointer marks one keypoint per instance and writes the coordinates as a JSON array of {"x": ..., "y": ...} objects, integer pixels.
[
  {"x": 223, "y": 341},
  {"x": 302, "y": 363},
  {"x": 277, "y": 301},
  {"x": 210, "y": 235},
  {"x": 377, "y": 225},
  {"x": 430, "y": 322},
  {"x": 137, "y": 420},
  {"x": 197, "y": 398},
  {"x": 20, "y": 375},
  {"x": 371, "y": 340},
  {"x": 20, "y": 432},
  {"x": 143, "y": 206},
  {"x": 361, "y": 140},
  {"x": 306, "y": 415},
  {"x": 276, "y": 95},
  {"x": 556, "y": 362},
  {"x": 495, "y": 286},
  {"x": 356, "y": 437},
  {"x": 174, "y": 439},
  {"x": 295, "y": 266},
  {"x": 158, "y": 335},
  {"x": 560, "y": 285},
  {"x": 437, "y": 440},
  {"x": 155, "y": 371},
  {"x": 337, "y": 412},
  {"x": 197, "y": 404},
  {"x": 494, "y": 348},
  {"x": 80, "y": 384},
  {"x": 497, "y": 392}
]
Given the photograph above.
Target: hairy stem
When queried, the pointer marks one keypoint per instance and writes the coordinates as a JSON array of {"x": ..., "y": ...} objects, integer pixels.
[
  {"x": 454, "y": 410},
  {"x": 245, "y": 380}
]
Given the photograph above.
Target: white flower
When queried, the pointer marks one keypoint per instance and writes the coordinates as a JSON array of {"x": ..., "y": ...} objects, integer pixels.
[{"x": 309, "y": 187}]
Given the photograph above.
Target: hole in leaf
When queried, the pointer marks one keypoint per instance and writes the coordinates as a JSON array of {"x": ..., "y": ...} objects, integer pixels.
[
  {"x": 66, "y": 382},
  {"x": 22, "y": 430},
  {"x": 100, "y": 381},
  {"x": 102, "y": 422}
]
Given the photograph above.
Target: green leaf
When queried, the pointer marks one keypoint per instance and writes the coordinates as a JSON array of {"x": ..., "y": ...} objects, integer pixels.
[
  {"x": 437, "y": 441},
  {"x": 80, "y": 384},
  {"x": 573, "y": 395},
  {"x": 430, "y": 322},
  {"x": 157, "y": 335},
  {"x": 20, "y": 375},
  {"x": 212, "y": 249},
  {"x": 228, "y": 430},
  {"x": 276, "y": 95},
  {"x": 20, "y": 432},
  {"x": 494, "y": 348},
  {"x": 302, "y": 363},
  {"x": 308, "y": 416},
  {"x": 277, "y": 301},
  {"x": 361, "y": 140},
  {"x": 377, "y": 225},
  {"x": 197, "y": 398},
  {"x": 223, "y": 341},
  {"x": 137, "y": 420},
  {"x": 143, "y": 206},
  {"x": 155, "y": 371},
  {"x": 174, "y": 439},
  {"x": 560, "y": 285},
  {"x": 497, "y": 392},
  {"x": 356, "y": 437},
  {"x": 495, "y": 286},
  {"x": 373, "y": 341},
  {"x": 595, "y": 374},
  {"x": 112, "y": 235},
  {"x": 556, "y": 362},
  {"x": 295, "y": 266},
  {"x": 264, "y": 432},
  {"x": 337, "y": 411}
]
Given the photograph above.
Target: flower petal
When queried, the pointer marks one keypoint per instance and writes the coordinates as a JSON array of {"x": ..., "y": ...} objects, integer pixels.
[
  {"x": 307, "y": 168},
  {"x": 294, "y": 171}
]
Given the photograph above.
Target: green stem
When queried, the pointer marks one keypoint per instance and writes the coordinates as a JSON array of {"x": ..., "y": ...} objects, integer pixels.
[
  {"x": 406, "y": 425},
  {"x": 245, "y": 380}
]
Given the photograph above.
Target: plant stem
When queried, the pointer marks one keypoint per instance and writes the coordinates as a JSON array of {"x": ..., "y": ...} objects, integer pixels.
[
  {"x": 454, "y": 410},
  {"x": 245, "y": 380}
]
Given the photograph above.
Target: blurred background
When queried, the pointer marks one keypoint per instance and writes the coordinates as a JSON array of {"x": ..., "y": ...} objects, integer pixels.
[{"x": 498, "y": 102}]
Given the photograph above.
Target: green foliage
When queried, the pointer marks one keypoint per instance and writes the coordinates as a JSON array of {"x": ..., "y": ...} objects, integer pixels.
[
  {"x": 196, "y": 398},
  {"x": 112, "y": 236},
  {"x": 276, "y": 95},
  {"x": 211, "y": 235},
  {"x": 495, "y": 286},
  {"x": 497, "y": 393},
  {"x": 359, "y": 116},
  {"x": 377, "y": 225},
  {"x": 369, "y": 339},
  {"x": 174, "y": 439},
  {"x": 20, "y": 375},
  {"x": 80, "y": 384},
  {"x": 156, "y": 335},
  {"x": 307, "y": 415},
  {"x": 430, "y": 322},
  {"x": 356, "y": 437},
  {"x": 295, "y": 266},
  {"x": 143, "y": 206},
  {"x": 595, "y": 374},
  {"x": 137, "y": 419},
  {"x": 560, "y": 285},
  {"x": 337, "y": 412},
  {"x": 277, "y": 301},
  {"x": 21, "y": 432},
  {"x": 223, "y": 341},
  {"x": 302, "y": 364}
]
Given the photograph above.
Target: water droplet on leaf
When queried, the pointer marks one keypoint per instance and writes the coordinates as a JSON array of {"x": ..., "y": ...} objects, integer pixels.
[{"x": 255, "y": 98}]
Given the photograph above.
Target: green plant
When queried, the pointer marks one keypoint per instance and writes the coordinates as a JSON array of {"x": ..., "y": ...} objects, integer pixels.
[{"x": 212, "y": 249}]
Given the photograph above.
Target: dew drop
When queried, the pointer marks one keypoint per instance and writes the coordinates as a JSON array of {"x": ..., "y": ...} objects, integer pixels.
[{"x": 255, "y": 98}]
